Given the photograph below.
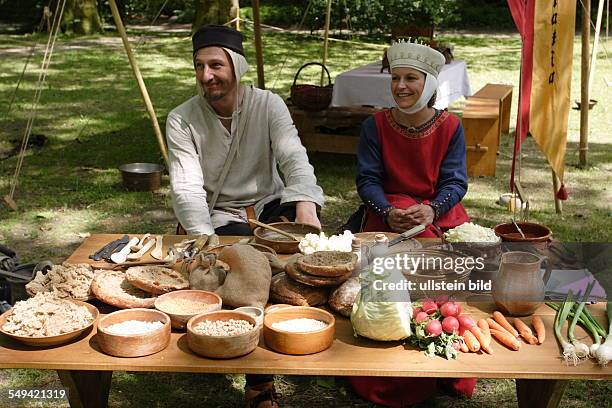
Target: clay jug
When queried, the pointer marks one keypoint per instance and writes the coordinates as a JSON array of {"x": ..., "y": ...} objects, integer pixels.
[{"x": 518, "y": 289}]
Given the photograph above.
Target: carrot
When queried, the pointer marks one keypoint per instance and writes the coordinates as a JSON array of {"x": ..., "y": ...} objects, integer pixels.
[
  {"x": 484, "y": 328},
  {"x": 538, "y": 325},
  {"x": 481, "y": 339},
  {"x": 525, "y": 331},
  {"x": 472, "y": 344},
  {"x": 493, "y": 325},
  {"x": 499, "y": 318},
  {"x": 464, "y": 347},
  {"x": 506, "y": 339}
]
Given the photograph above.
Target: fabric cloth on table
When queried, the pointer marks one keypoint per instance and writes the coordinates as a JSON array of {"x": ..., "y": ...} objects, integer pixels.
[
  {"x": 367, "y": 86},
  {"x": 399, "y": 168}
]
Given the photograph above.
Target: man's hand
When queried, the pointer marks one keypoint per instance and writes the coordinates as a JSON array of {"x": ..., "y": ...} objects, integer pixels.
[{"x": 306, "y": 213}]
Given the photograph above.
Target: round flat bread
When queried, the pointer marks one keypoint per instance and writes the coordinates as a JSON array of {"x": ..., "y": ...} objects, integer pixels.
[
  {"x": 113, "y": 288},
  {"x": 328, "y": 263},
  {"x": 285, "y": 290},
  {"x": 156, "y": 279},
  {"x": 294, "y": 272}
]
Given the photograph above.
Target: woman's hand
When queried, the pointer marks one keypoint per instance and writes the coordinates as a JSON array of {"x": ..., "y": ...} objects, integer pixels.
[
  {"x": 398, "y": 221},
  {"x": 420, "y": 214},
  {"x": 306, "y": 213}
]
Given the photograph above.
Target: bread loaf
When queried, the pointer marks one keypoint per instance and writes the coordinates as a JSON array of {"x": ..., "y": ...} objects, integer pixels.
[
  {"x": 113, "y": 288},
  {"x": 294, "y": 272},
  {"x": 156, "y": 279},
  {"x": 328, "y": 263},
  {"x": 341, "y": 300},
  {"x": 285, "y": 290}
]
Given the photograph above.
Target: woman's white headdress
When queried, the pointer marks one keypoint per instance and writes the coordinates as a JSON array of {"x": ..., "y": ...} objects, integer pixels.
[{"x": 422, "y": 58}]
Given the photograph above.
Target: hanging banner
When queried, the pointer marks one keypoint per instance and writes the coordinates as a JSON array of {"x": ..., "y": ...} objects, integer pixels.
[{"x": 547, "y": 31}]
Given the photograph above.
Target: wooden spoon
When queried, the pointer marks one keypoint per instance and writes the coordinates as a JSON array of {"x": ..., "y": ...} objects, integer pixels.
[
  {"x": 157, "y": 252},
  {"x": 271, "y": 228}
]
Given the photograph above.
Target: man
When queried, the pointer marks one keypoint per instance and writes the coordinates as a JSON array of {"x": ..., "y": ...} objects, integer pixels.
[
  {"x": 224, "y": 148},
  {"x": 246, "y": 130}
]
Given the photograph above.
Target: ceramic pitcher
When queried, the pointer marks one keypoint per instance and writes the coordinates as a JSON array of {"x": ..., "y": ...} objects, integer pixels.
[{"x": 518, "y": 289}]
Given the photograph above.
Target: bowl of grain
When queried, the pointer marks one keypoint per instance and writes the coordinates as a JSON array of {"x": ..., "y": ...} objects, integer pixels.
[
  {"x": 133, "y": 332},
  {"x": 223, "y": 334},
  {"x": 182, "y": 305},
  {"x": 299, "y": 330}
]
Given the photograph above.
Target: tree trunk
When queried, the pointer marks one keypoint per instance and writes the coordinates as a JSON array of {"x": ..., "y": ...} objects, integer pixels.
[
  {"x": 81, "y": 17},
  {"x": 214, "y": 12}
]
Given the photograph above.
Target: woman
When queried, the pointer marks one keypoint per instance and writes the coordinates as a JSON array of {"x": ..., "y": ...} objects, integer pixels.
[
  {"x": 411, "y": 158},
  {"x": 412, "y": 170}
]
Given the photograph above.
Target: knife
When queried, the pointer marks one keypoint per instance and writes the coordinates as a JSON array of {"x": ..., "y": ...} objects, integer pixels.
[{"x": 407, "y": 234}]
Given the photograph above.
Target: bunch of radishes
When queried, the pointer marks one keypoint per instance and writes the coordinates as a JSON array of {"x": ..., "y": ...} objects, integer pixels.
[{"x": 438, "y": 325}]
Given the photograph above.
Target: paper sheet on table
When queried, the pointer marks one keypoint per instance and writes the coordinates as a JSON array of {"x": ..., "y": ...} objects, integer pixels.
[{"x": 576, "y": 280}]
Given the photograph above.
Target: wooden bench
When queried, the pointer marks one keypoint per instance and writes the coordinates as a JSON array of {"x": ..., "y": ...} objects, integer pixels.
[
  {"x": 481, "y": 128},
  {"x": 346, "y": 120},
  {"x": 503, "y": 94}
]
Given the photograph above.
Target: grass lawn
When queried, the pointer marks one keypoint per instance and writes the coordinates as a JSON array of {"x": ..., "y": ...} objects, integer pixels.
[{"x": 93, "y": 118}]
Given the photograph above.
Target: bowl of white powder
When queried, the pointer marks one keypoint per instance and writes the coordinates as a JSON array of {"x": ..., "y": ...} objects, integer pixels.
[
  {"x": 133, "y": 332},
  {"x": 299, "y": 330}
]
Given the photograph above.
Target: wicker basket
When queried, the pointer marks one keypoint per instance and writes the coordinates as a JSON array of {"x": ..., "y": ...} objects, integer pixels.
[{"x": 311, "y": 97}]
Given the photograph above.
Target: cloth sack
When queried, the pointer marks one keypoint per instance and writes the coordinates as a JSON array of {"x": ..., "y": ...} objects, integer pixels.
[
  {"x": 248, "y": 281},
  {"x": 204, "y": 275}
]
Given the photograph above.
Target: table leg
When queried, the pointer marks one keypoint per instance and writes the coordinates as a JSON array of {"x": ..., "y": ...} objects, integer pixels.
[
  {"x": 539, "y": 393},
  {"x": 87, "y": 389}
]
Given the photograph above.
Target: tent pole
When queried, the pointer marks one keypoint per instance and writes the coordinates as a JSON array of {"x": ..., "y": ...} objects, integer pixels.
[
  {"x": 261, "y": 83},
  {"x": 558, "y": 203},
  {"x": 600, "y": 7},
  {"x": 584, "y": 79},
  {"x": 326, "y": 41},
  {"x": 139, "y": 80}
]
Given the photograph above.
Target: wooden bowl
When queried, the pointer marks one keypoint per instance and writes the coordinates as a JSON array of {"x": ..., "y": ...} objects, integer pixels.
[
  {"x": 133, "y": 345},
  {"x": 222, "y": 346},
  {"x": 52, "y": 340},
  {"x": 179, "y": 320},
  {"x": 282, "y": 244},
  {"x": 299, "y": 343}
]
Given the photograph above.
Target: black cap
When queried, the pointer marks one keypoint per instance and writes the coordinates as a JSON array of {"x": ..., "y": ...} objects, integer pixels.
[{"x": 217, "y": 35}]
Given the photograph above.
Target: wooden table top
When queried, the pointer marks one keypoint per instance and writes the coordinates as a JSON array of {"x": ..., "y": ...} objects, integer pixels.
[{"x": 347, "y": 356}]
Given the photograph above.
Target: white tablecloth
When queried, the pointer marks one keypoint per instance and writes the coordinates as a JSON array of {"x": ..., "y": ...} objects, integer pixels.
[{"x": 367, "y": 86}]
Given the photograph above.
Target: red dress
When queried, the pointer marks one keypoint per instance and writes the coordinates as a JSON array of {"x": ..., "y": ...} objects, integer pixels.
[{"x": 412, "y": 163}]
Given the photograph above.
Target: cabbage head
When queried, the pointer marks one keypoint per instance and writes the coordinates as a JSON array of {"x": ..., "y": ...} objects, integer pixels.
[{"x": 383, "y": 321}]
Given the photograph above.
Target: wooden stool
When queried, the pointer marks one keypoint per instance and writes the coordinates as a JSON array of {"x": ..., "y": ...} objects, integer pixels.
[
  {"x": 503, "y": 94},
  {"x": 481, "y": 128}
]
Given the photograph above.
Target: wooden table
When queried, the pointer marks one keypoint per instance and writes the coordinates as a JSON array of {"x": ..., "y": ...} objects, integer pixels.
[{"x": 87, "y": 371}]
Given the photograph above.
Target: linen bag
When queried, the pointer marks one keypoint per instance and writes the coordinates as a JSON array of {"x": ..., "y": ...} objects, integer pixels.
[{"x": 248, "y": 281}]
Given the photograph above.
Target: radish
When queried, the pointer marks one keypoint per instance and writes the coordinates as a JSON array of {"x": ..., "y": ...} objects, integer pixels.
[
  {"x": 465, "y": 323},
  {"x": 450, "y": 309},
  {"x": 433, "y": 328},
  {"x": 429, "y": 306},
  {"x": 442, "y": 299},
  {"x": 416, "y": 311},
  {"x": 421, "y": 317},
  {"x": 450, "y": 324}
]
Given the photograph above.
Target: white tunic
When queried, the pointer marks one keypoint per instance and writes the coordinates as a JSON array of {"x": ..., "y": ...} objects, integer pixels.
[{"x": 199, "y": 144}]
